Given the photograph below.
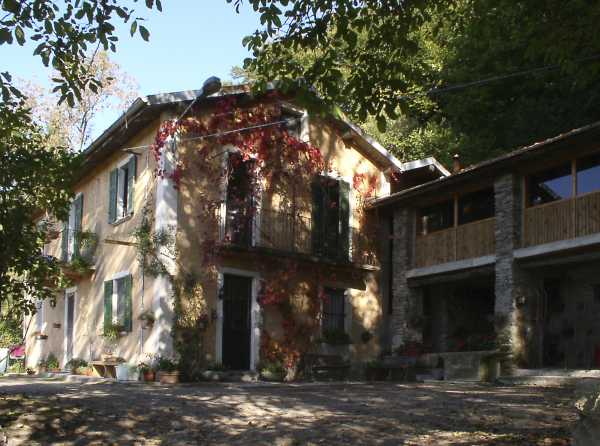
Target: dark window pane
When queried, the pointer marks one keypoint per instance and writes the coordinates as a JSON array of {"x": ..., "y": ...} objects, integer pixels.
[
  {"x": 588, "y": 174},
  {"x": 333, "y": 309},
  {"x": 551, "y": 185},
  {"x": 436, "y": 218},
  {"x": 476, "y": 206},
  {"x": 121, "y": 296}
]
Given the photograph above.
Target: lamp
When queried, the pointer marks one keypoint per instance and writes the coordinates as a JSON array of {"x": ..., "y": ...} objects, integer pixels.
[{"x": 210, "y": 86}]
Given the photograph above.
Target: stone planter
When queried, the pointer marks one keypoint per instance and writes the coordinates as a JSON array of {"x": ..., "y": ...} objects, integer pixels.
[{"x": 168, "y": 377}]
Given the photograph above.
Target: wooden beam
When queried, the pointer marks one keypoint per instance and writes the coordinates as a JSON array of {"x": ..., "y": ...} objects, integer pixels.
[{"x": 119, "y": 242}]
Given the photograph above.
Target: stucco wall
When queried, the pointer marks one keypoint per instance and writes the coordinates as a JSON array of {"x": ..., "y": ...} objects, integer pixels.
[
  {"x": 197, "y": 226},
  {"x": 110, "y": 259}
]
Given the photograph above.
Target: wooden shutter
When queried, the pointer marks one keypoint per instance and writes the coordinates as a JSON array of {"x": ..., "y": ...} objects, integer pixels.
[
  {"x": 131, "y": 170},
  {"x": 78, "y": 209},
  {"x": 127, "y": 301},
  {"x": 112, "y": 196},
  {"x": 344, "y": 220},
  {"x": 108, "y": 292},
  {"x": 317, "y": 215},
  {"x": 64, "y": 248}
]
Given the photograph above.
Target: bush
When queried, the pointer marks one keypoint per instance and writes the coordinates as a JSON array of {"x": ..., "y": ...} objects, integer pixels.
[
  {"x": 52, "y": 362},
  {"x": 76, "y": 363},
  {"x": 164, "y": 364}
]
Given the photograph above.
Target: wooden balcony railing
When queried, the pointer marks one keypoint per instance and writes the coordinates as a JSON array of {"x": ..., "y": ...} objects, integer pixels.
[
  {"x": 286, "y": 232},
  {"x": 562, "y": 220},
  {"x": 466, "y": 241}
]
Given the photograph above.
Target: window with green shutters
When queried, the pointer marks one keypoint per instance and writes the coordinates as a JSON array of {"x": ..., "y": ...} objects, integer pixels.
[
  {"x": 120, "y": 190},
  {"x": 72, "y": 229},
  {"x": 118, "y": 302},
  {"x": 331, "y": 218}
]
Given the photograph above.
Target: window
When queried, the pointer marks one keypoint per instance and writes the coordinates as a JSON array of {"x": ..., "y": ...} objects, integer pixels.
[
  {"x": 476, "y": 206},
  {"x": 71, "y": 230},
  {"x": 588, "y": 174},
  {"x": 551, "y": 185},
  {"x": 238, "y": 227},
  {"x": 331, "y": 218},
  {"x": 334, "y": 316},
  {"x": 121, "y": 183},
  {"x": 437, "y": 217},
  {"x": 117, "y": 302}
]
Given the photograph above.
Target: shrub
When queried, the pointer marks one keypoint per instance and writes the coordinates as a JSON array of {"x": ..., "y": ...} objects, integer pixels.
[
  {"x": 10, "y": 332},
  {"x": 164, "y": 364},
  {"x": 52, "y": 362},
  {"x": 336, "y": 337},
  {"x": 76, "y": 363}
]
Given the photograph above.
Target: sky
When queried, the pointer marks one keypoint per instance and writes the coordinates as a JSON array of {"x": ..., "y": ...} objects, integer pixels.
[{"x": 190, "y": 41}]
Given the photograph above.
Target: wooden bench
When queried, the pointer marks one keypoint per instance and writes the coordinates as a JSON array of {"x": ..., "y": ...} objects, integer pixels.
[
  {"x": 330, "y": 367},
  {"x": 105, "y": 369}
]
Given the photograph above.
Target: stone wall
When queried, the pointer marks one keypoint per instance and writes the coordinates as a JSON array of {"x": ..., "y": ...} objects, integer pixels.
[{"x": 407, "y": 301}]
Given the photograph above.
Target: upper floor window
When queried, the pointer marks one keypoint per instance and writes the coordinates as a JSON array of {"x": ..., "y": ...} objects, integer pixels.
[
  {"x": 240, "y": 199},
  {"x": 331, "y": 218},
  {"x": 121, "y": 184},
  {"x": 588, "y": 174},
  {"x": 476, "y": 206},
  {"x": 551, "y": 185},
  {"x": 436, "y": 218},
  {"x": 72, "y": 229}
]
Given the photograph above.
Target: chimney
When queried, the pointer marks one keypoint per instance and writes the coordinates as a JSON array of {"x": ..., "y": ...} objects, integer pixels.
[{"x": 456, "y": 163}]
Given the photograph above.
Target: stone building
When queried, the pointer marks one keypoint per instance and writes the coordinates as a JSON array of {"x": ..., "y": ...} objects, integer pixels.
[{"x": 504, "y": 253}]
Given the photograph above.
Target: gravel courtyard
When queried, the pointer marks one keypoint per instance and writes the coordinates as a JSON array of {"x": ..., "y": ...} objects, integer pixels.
[{"x": 35, "y": 411}]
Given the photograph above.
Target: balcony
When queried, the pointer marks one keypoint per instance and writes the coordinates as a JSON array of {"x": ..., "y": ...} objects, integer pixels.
[
  {"x": 287, "y": 233},
  {"x": 77, "y": 258},
  {"x": 562, "y": 220},
  {"x": 466, "y": 241}
]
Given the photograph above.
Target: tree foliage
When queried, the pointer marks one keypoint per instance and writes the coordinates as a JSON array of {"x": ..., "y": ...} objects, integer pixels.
[
  {"x": 65, "y": 33},
  {"x": 32, "y": 179},
  {"x": 471, "y": 76}
]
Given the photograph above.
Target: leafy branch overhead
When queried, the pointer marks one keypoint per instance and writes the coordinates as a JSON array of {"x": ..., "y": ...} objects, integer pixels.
[{"x": 64, "y": 33}]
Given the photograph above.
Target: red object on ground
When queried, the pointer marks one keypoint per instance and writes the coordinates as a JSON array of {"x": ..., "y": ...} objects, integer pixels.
[{"x": 597, "y": 357}]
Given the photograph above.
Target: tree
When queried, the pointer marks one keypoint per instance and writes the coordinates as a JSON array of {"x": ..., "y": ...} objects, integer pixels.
[
  {"x": 73, "y": 126},
  {"x": 480, "y": 75}
]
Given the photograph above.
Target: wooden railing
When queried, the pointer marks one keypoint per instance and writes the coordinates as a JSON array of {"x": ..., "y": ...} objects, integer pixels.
[
  {"x": 562, "y": 220},
  {"x": 466, "y": 241}
]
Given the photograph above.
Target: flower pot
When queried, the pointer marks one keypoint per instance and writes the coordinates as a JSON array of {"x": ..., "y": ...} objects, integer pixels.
[
  {"x": 149, "y": 376},
  {"x": 168, "y": 377},
  {"x": 42, "y": 369}
]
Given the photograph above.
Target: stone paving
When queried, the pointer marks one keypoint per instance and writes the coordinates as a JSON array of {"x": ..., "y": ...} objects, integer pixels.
[{"x": 36, "y": 411}]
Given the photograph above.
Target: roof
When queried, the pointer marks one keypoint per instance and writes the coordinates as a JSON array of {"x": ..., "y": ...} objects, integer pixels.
[
  {"x": 146, "y": 109},
  {"x": 501, "y": 163}
]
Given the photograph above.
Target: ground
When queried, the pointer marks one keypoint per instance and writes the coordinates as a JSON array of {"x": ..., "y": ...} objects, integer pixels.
[{"x": 35, "y": 411}]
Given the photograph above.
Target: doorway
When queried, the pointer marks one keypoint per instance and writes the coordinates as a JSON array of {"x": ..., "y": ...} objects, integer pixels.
[
  {"x": 237, "y": 323},
  {"x": 69, "y": 324}
]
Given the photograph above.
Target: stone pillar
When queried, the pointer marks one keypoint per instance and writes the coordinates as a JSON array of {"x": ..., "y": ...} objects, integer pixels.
[
  {"x": 514, "y": 286},
  {"x": 407, "y": 302}
]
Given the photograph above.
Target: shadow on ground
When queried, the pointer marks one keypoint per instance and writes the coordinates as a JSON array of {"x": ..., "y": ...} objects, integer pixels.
[{"x": 38, "y": 412}]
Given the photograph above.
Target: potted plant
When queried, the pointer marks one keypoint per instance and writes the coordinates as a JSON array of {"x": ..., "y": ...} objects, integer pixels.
[
  {"x": 272, "y": 371},
  {"x": 76, "y": 366},
  {"x": 147, "y": 372},
  {"x": 375, "y": 371},
  {"x": 167, "y": 370},
  {"x": 52, "y": 363},
  {"x": 42, "y": 366},
  {"x": 147, "y": 318},
  {"x": 88, "y": 241}
]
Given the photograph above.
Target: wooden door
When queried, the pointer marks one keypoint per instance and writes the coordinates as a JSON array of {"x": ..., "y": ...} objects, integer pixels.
[{"x": 237, "y": 299}]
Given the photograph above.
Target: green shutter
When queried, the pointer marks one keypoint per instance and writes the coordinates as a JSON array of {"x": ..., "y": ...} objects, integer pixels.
[
  {"x": 64, "y": 248},
  {"x": 131, "y": 169},
  {"x": 317, "y": 215},
  {"x": 128, "y": 303},
  {"x": 112, "y": 196},
  {"x": 344, "y": 220},
  {"x": 78, "y": 207},
  {"x": 108, "y": 292}
]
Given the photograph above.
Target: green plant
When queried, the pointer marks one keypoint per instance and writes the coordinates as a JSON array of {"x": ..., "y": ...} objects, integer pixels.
[
  {"x": 112, "y": 332},
  {"x": 336, "y": 337},
  {"x": 374, "y": 364},
  {"x": 165, "y": 364},
  {"x": 271, "y": 367},
  {"x": 144, "y": 367},
  {"x": 150, "y": 244},
  {"x": 76, "y": 363},
  {"x": 88, "y": 241},
  {"x": 17, "y": 367},
  {"x": 52, "y": 362},
  {"x": 10, "y": 332},
  {"x": 79, "y": 264}
]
